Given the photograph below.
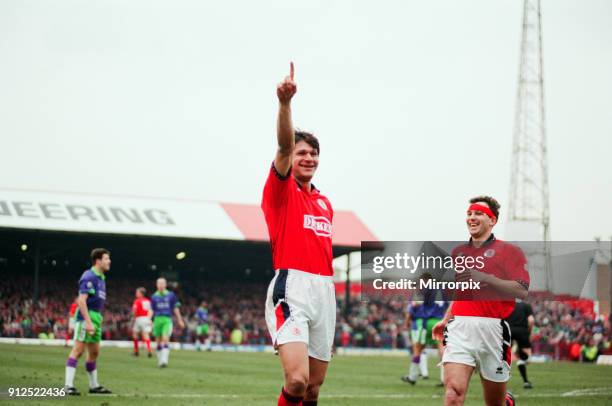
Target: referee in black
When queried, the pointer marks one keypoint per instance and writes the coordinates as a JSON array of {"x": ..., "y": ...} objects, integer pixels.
[{"x": 521, "y": 323}]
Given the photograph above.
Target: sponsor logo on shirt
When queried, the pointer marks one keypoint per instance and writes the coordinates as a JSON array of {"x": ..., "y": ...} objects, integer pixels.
[{"x": 320, "y": 225}]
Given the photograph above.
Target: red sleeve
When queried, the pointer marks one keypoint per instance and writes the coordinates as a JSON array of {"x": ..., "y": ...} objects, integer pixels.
[
  {"x": 276, "y": 189},
  {"x": 331, "y": 210},
  {"x": 516, "y": 266}
]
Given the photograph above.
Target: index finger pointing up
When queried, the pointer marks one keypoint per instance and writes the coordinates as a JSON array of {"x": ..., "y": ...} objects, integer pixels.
[{"x": 291, "y": 71}]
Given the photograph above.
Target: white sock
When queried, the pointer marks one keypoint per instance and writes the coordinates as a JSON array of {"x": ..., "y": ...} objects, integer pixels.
[
  {"x": 159, "y": 354},
  {"x": 166, "y": 355},
  {"x": 93, "y": 379},
  {"x": 414, "y": 371},
  {"x": 70, "y": 371},
  {"x": 423, "y": 365}
]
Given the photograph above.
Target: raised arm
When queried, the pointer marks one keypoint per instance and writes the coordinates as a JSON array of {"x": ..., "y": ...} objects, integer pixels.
[{"x": 284, "y": 126}]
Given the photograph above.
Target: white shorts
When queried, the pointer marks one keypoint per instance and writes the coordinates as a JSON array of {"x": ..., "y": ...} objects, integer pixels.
[
  {"x": 301, "y": 307},
  {"x": 481, "y": 342},
  {"x": 142, "y": 324}
]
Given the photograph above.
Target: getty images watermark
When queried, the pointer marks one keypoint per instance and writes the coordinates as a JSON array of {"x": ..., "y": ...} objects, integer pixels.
[{"x": 423, "y": 263}]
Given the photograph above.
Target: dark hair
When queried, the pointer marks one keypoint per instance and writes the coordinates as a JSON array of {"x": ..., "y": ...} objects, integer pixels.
[
  {"x": 490, "y": 201},
  {"x": 142, "y": 291},
  {"x": 308, "y": 138},
  {"x": 98, "y": 253}
]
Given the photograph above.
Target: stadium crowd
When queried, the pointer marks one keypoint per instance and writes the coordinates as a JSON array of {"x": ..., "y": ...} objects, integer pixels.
[
  {"x": 569, "y": 330},
  {"x": 233, "y": 313},
  {"x": 564, "y": 329}
]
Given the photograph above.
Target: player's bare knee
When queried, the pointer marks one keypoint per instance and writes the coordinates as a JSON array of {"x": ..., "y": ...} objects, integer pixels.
[
  {"x": 454, "y": 394},
  {"x": 296, "y": 383},
  {"x": 453, "y": 398},
  {"x": 77, "y": 350},
  {"x": 76, "y": 353},
  {"x": 92, "y": 354},
  {"x": 312, "y": 391}
]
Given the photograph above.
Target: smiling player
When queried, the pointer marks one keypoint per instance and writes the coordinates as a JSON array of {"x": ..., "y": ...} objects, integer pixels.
[
  {"x": 300, "y": 304},
  {"x": 476, "y": 336}
]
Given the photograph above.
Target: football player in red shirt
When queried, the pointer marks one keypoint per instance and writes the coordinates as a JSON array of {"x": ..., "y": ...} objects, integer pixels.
[
  {"x": 71, "y": 321},
  {"x": 300, "y": 303},
  {"x": 141, "y": 309},
  {"x": 474, "y": 331}
]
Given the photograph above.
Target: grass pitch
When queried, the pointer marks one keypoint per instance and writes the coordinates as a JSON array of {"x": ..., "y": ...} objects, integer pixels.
[{"x": 216, "y": 378}]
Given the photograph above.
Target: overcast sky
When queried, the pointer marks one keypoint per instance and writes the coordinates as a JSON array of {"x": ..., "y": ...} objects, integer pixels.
[{"x": 413, "y": 102}]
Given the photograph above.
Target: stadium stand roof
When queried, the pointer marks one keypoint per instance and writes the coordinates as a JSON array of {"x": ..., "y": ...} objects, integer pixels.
[
  {"x": 135, "y": 215},
  {"x": 53, "y": 232}
]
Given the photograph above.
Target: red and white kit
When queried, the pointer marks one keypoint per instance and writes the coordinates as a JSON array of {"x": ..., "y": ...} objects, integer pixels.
[
  {"x": 301, "y": 302},
  {"x": 478, "y": 335},
  {"x": 140, "y": 309},
  {"x": 72, "y": 313}
]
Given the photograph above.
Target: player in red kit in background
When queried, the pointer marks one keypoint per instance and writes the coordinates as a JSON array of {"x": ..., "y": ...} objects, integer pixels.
[
  {"x": 300, "y": 303},
  {"x": 474, "y": 332},
  {"x": 71, "y": 321},
  {"x": 142, "y": 312}
]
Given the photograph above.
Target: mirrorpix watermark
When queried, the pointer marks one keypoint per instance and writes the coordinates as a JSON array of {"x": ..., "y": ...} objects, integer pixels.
[{"x": 426, "y": 284}]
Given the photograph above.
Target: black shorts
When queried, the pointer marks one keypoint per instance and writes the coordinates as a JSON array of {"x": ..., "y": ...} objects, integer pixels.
[{"x": 521, "y": 336}]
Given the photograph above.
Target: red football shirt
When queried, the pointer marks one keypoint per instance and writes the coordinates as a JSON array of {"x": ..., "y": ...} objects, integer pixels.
[
  {"x": 141, "y": 307},
  {"x": 299, "y": 225},
  {"x": 501, "y": 259},
  {"x": 73, "y": 308}
]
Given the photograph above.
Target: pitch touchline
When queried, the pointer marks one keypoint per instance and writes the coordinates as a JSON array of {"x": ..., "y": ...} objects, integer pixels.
[
  {"x": 588, "y": 392},
  {"x": 596, "y": 392}
]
